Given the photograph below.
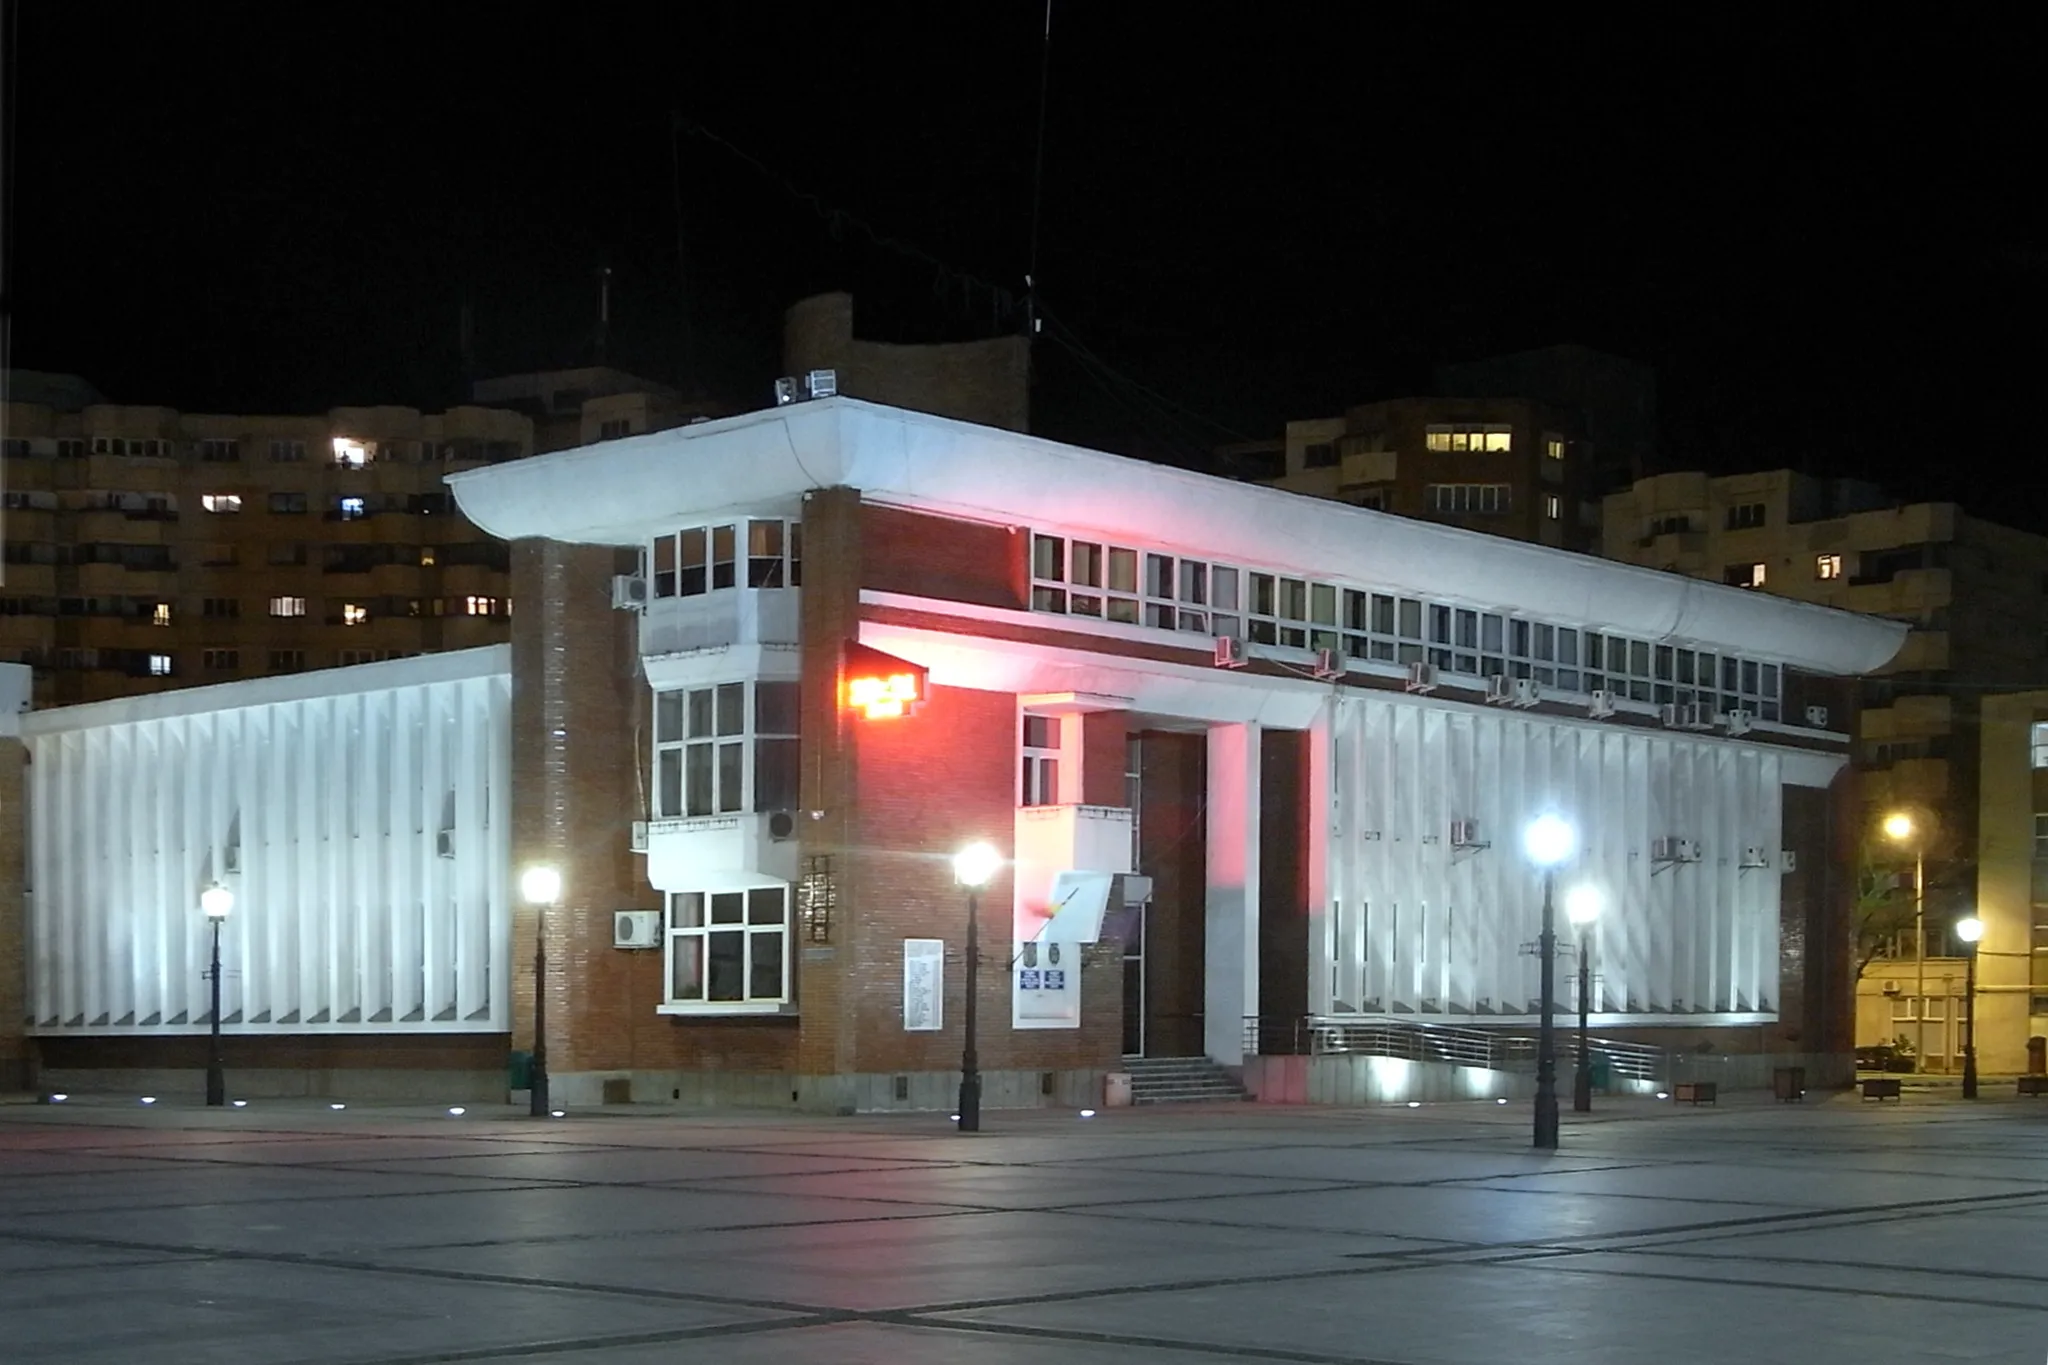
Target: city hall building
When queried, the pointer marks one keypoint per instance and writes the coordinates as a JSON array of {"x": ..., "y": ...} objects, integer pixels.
[{"x": 1258, "y": 765}]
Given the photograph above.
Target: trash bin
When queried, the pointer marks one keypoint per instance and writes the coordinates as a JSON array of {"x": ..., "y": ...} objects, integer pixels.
[
  {"x": 1788, "y": 1083},
  {"x": 2037, "y": 1056},
  {"x": 1601, "y": 1072},
  {"x": 1116, "y": 1089},
  {"x": 519, "y": 1073}
]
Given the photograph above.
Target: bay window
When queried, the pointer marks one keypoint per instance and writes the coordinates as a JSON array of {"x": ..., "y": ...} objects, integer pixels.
[{"x": 725, "y": 749}]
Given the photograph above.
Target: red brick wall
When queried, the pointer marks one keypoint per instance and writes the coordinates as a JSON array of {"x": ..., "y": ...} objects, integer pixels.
[
  {"x": 928, "y": 556},
  {"x": 1172, "y": 851},
  {"x": 1104, "y": 735}
]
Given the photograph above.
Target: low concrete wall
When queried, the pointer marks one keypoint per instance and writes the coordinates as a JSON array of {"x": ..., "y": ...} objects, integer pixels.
[
  {"x": 267, "y": 1083},
  {"x": 1356, "y": 1079},
  {"x": 867, "y": 1092}
]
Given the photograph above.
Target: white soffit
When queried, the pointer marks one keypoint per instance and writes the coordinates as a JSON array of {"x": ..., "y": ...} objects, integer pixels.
[{"x": 624, "y": 492}]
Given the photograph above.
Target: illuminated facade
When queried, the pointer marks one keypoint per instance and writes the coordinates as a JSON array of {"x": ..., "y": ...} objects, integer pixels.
[{"x": 1258, "y": 765}]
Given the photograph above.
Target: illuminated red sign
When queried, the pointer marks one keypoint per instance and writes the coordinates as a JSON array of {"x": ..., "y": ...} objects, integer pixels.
[{"x": 880, "y": 686}]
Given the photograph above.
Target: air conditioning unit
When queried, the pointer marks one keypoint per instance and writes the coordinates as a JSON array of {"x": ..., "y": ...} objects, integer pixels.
[
  {"x": 1230, "y": 652},
  {"x": 629, "y": 592},
  {"x": 1327, "y": 667},
  {"x": 1664, "y": 850},
  {"x": 1753, "y": 855},
  {"x": 1602, "y": 704},
  {"x": 636, "y": 840},
  {"x": 821, "y": 383},
  {"x": 231, "y": 859},
  {"x": 1691, "y": 716},
  {"x": 1421, "y": 677},
  {"x": 781, "y": 826},
  {"x": 1465, "y": 834},
  {"x": 1687, "y": 851},
  {"x": 1817, "y": 717},
  {"x": 788, "y": 391},
  {"x": 1500, "y": 690},
  {"x": 444, "y": 843},
  {"x": 636, "y": 928},
  {"x": 1740, "y": 721},
  {"x": 1891, "y": 988},
  {"x": 1788, "y": 861},
  {"x": 1528, "y": 692}
]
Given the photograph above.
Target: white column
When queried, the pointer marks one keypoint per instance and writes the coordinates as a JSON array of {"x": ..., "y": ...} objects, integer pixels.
[{"x": 1231, "y": 946}]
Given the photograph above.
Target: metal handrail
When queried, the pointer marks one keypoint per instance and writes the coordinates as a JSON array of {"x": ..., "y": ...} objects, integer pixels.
[{"x": 1492, "y": 1049}]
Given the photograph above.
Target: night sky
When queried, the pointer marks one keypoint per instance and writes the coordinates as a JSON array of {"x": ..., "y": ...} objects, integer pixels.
[{"x": 1828, "y": 238}]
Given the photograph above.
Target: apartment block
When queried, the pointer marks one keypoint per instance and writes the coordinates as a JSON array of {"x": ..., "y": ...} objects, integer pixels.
[
  {"x": 1506, "y": 466},
  {"x": 1975, "y": 594}
]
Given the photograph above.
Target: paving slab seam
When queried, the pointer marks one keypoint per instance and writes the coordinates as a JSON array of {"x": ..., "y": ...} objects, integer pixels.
[{"x": 1845, "y": 1291}]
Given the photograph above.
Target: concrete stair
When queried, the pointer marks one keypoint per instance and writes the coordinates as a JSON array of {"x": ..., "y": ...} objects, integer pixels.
[{"x": 1180, "y": 1080}]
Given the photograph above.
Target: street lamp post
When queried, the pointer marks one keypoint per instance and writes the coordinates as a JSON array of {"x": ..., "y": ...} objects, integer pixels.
[
  {"x": 542, "y": 887},
  {"x": 1548, "y": 841},
  {"x": 217, "y": 902},
  {"x": 1969, "y": 931},
  {"x": 972, "y": 867},
  {"x": 1899, "y": 827},
  {"x": 1582, "y": 907}
]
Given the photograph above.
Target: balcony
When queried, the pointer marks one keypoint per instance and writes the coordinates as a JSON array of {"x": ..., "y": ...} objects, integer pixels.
[
  {"x": 1366, "y": 467},
  {"x": 729, "y": 616},
  {"x": 1056, "y": 839},
  {"x": 1908, "y": 592},
  {"x": 715, "y": 851},
  {"x": 1924, "y": 650}
]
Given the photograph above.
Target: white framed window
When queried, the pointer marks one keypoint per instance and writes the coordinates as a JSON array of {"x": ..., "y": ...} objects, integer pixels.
[
  {"x": 1745, "y": 516},
  {"x": 725, "y": 749},
  {"x": 220, "y": 451},
  {"x": 728, "y": 949},
  {"x": 1827, "y": 566},
  {"x": 1463, "y": 436},
  {"x": 1745, "y": 575},
  {"x": 287, "y": 606},
  {"x": 353, "y": 508},
  {"x": 159, "y": 665},
  {"x": 1485, "y": 499},
  {"x": 220, "y": 660},
  {"x": 2039, "y": 743},
  {"x": 225, "y": 503},
  {"x": 160, "y": 614},
  {"x": 1553, "y": 446},
  {"x": 354, "y": 614},
  {"x": 287, "y": 452},
  {"x": 351, "y": 454},
  {"x": 1553, "y": 506},
  {"x": 1040, "y": 777},
  {"x": 753, "y": 554},
  {"x": 475, "y": 605}
]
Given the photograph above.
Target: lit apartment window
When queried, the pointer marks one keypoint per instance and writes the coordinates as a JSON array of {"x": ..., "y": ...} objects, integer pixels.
[
  {"x": 1484, "y": 498},
  {"x": 1744, "y": 575},
  {"x": 159, "y": 665},
  {"x": 1041, "y": 765},
  {"x": 2041, "y": 744},
  {"x": 728, "y": 947},
  {"x": 1827, "y": 566},
  {"x": 350, "y": 454},
  {"x": 287, "y": 606},
  {"x": 479, "y": 606},
  {"x": 221, "y": 660},
  {"x": 354, "y": 509},
  {"x": 426, "y": 556},
  {"x": 1553, "y": 506},
  {"x": 1467, "y": 436},
  {"x": 354, "y": 614},
  {"x": 1553, "y": 446},
  {"x": 287, "y": 452},
  {"x": 221, "y": 502},
  {"x": 1745, "y": 516},
  {"x": 160, "y": 614}
]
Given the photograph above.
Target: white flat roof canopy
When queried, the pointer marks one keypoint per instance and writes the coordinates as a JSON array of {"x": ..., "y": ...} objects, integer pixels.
[{"x": 626, "y": 492}]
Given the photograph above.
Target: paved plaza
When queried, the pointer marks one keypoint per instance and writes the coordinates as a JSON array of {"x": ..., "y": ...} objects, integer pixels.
[{"x": 1833, "y": 1231}]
